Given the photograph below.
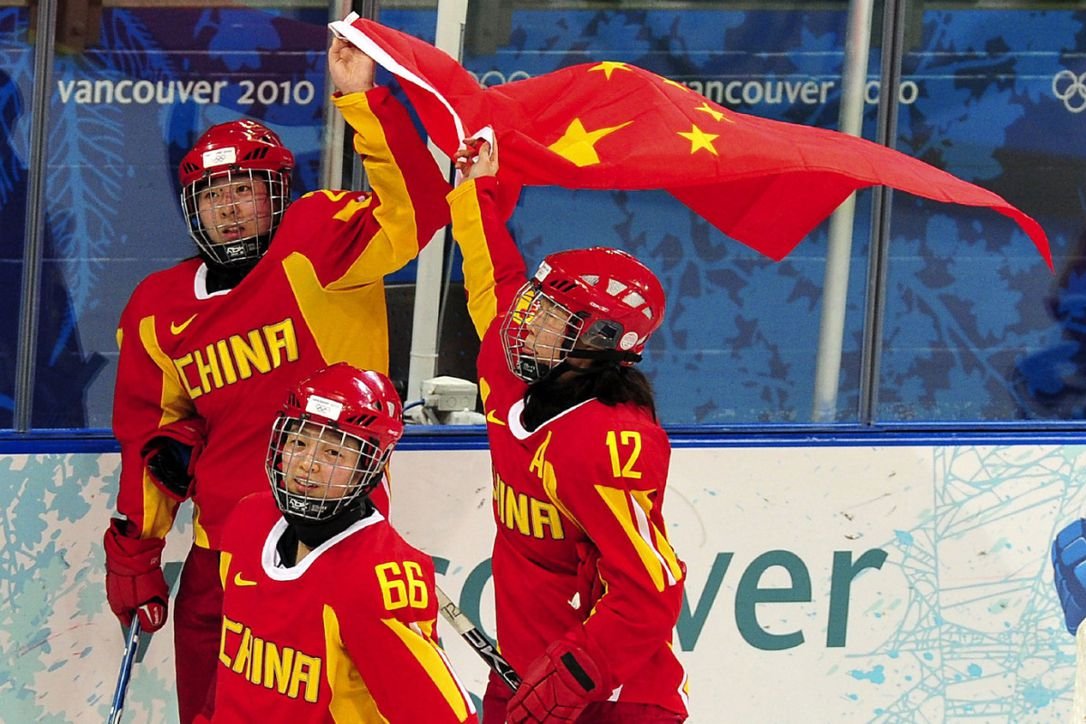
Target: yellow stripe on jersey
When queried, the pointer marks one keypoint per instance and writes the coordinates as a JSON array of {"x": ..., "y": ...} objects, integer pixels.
[
  {"x": 478, "y": 265},
  {"x": 158, "y": 509},
  {"x": 549, "y": 480},
  {"x": 431, "y": 658},
  {"x": 199, "y": 532},
  {"x": 351, "y": 698},
  {"x": 328, "y": 313},
  {"x": 176, "y": 404},
  {"x": 651, "y": 545},
  {"x": 550, "y": 487},
  {"x": 484, "y": 393},
  {"x": 356, "y": 203},
  {"x": 397, "y": 243},
  {"x": 352, "y": 207},
  {"x": 224, "y": 567},
  {"x": 663, "y": 546}
]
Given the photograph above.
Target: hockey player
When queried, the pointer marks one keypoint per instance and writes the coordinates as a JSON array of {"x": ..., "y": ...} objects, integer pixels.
[
  {"x": 207, "y": 346},
  {"x": 328, "y": 614},
  {"x": 586, "y": 585}
]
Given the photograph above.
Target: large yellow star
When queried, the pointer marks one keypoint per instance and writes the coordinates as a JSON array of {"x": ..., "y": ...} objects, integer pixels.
[
  {"x": 717, "y": 115},
  {"x": 608, "y": 67},
  {"x": 699, "y": 139},
  {"x": 578, "y": 145}
]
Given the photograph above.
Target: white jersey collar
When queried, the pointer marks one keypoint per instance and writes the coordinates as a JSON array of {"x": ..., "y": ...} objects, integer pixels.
[
  {"x": 199, "y": 284},
  {"x": 269, "y": 556},
  {"x": 516, "y": 426}
]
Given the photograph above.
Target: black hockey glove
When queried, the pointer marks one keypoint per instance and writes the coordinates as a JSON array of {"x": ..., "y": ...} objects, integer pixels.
[{"x": 171, "y": 456}]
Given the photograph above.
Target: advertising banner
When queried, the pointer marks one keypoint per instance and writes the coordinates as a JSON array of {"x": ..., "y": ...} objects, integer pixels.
[
  {"x": 829, "y": 583},
  {"x": 894, "y": 583}
]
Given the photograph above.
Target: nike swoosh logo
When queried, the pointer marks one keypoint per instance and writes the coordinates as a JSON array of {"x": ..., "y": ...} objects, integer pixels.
[
  {"x": 179, "y": 328},
  {"x": 241, "y": 582},
  {"x": 491, "y": 417}
]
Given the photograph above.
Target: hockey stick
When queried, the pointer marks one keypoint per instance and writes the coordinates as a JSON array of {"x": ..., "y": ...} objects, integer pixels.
[
  {"x": 127, "y": 660},
  {"x": 477, "y": 640}
]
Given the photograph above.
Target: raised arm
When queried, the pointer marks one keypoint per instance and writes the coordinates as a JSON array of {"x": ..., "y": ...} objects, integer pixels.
[
  {"x": 407, "y": 204},
  {"x": 493, "y": 267}
]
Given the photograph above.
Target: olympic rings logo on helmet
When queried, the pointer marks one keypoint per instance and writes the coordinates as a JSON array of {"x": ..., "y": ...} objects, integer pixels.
[{"x": 1071, "y": 89}]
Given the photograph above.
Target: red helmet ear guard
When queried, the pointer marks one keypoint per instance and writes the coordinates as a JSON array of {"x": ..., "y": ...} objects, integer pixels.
[
  {"x": 238, "y": 152},
  {"x": 354, "y": 413},
  {"x": 602, "y": 285},
  {"x": 609, "y": 301}
]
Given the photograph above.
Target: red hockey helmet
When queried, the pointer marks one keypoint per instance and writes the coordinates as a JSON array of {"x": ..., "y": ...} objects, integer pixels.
[
  {"x": 603, "y": 303},
  {"x": 332, "y": 439},
  {"x": 235, "y": 186}
]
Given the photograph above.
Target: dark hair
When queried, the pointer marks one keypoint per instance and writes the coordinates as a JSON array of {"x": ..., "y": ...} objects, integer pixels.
[{"x": 610, "y": 383}]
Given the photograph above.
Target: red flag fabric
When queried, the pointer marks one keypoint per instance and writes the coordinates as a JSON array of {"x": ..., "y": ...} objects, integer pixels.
[{"x": 614, "y": 125}]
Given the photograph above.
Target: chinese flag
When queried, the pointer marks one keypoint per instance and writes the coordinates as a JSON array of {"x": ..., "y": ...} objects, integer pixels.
[{"x": 616, "y": 126}]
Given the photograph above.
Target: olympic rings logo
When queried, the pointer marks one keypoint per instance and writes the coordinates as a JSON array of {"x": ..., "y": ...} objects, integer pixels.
[{"x": 1071, "y": 89}]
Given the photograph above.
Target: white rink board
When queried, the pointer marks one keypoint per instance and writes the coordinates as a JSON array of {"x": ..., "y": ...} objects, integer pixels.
[{"x": 960, "y": 622}]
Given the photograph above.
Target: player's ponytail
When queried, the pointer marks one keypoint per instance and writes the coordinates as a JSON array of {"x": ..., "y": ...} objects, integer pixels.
[{"x": 610, "y": 383}]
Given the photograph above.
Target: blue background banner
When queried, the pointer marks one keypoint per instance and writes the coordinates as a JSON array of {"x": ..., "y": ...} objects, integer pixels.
[{"x": 976, "y": 329}]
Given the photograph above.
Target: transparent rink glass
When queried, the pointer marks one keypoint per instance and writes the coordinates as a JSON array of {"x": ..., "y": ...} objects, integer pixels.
[
  {"x": 741, "y": 331},
  {"x": 127, "y": 101},
  {"x": 977, "y": 329}
]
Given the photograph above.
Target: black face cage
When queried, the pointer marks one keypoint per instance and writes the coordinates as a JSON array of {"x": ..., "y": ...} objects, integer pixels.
[
  {"x": 317, "y": 470},
  {"x": 538, "y": 333},
  {"x": 247, "y": 249}
]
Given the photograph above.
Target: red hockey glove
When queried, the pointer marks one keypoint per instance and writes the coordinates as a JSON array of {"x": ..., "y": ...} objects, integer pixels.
[
  {"x": 557, "y": 686},
  {"x": 171, "y": 456},
  {"x": 134, "y": 580}
]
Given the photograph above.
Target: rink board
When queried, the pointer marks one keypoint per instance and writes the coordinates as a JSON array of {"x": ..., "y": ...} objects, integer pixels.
[{"x": 893, "y": 583}]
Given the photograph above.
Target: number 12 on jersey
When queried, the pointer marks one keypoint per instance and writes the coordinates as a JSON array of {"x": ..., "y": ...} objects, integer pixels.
[{"x": 623, "y": 461}]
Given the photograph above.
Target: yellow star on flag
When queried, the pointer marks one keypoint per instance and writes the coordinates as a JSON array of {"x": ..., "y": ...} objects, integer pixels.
[
  {"x": 675, "y": 83},
  {"x": 717, "y": 115},
  {"x": 608, "y": 67},
  {"x": 578, "y": 145},
  {"x": 699, "y": 139}
]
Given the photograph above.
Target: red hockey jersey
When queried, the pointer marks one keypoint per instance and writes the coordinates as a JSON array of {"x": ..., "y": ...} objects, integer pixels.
[
  {"x": 581, "y": 549},
  {"x": 317, "y": 297},
  {"x": 346, "y": 635}
]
